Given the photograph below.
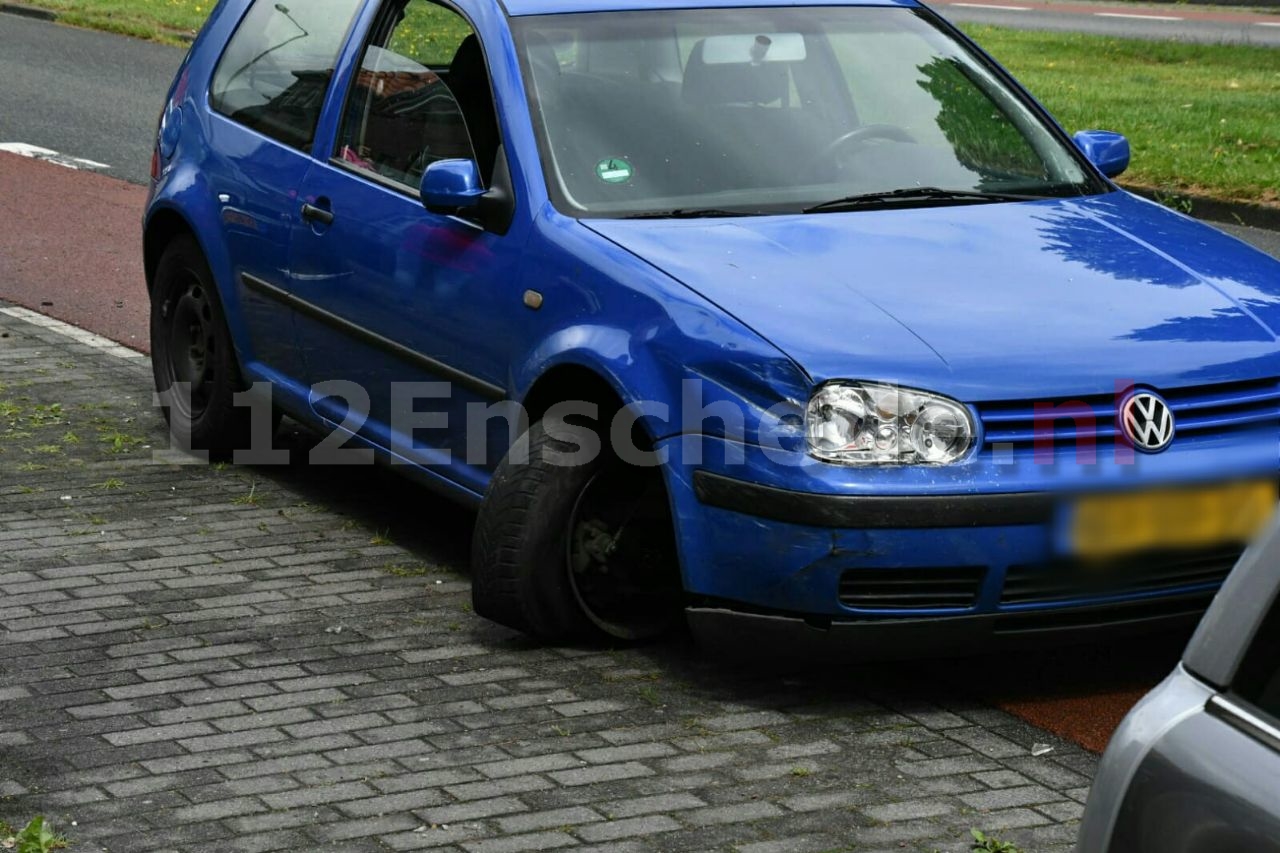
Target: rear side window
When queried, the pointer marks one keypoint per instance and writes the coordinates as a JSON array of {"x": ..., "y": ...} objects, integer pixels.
[{"x": 276, "y": 68}]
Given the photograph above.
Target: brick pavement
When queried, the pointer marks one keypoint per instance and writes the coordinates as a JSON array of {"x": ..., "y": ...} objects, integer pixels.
[{"x": 215, "y": 658}]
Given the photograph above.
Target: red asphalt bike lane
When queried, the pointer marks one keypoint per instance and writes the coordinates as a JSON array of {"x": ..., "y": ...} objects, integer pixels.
[
  {"x": 71, "y": 248},
  {"x": 1157, "y": 13}
]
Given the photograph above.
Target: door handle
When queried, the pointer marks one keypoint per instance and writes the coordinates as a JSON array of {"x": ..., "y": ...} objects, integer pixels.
[{"x": 311, "y": 213}]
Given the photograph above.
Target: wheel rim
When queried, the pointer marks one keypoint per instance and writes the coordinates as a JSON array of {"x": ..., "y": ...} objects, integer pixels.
[
  {"x": 192, "y": 347},
  {"x": 621, "y": 554}
]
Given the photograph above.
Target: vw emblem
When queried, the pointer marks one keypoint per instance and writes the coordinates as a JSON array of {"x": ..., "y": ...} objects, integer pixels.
[{"x": 1147, "y": 422}]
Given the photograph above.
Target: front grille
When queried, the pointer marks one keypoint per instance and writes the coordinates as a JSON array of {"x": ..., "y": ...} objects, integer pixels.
[
  {"x": 941, "y": 588},
  {"x": 1144, "y": 573},
  {"x": 1205, "y": 409}
]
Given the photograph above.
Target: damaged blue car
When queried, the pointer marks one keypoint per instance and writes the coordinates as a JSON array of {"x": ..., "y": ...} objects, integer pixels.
[{"x": 794, "y": 323}]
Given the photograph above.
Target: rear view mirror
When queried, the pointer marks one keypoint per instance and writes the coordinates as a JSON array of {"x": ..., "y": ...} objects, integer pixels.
[
  {"x": 769, "y": 47},
  {"x": 1106, "y": 150},
  {"x": 451, "y": 185}
]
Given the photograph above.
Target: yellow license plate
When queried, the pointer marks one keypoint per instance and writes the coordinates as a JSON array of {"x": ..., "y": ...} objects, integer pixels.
[{"x": 1103, "y": 526}]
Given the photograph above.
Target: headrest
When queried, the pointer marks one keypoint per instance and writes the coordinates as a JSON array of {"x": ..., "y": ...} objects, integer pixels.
[{"x": 708, "y": 84}]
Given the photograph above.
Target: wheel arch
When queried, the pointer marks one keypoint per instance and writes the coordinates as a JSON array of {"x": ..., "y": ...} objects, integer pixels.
[{"x": 163, "y": 227}]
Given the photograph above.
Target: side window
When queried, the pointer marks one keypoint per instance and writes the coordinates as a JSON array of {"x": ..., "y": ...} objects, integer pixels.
[
  {"x": 1259, "y": 678},
  {"x": 422, "y": 94},
  {"x": 276, "y": 68}
]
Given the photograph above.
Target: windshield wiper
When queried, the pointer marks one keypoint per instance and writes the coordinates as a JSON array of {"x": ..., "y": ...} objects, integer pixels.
[
  {"x": 915, "y": 195},
  {"x": 691, "y": 213}
]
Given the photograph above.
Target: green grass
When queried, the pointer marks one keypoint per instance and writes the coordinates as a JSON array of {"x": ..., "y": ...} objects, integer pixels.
[
  {"x": 160, "y": 20},
  {"x": 1201, "y": 118}
]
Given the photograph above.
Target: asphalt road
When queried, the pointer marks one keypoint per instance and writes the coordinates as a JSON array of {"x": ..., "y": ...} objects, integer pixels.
[
  {"x": 85, "y": 94},
  {"x": 1175, "y": 22}
]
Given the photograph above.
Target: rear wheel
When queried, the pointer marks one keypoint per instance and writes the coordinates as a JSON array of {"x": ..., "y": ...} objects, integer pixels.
[
  {"x": 191, "y": 347},
  {"x": 564, "y": 552}
]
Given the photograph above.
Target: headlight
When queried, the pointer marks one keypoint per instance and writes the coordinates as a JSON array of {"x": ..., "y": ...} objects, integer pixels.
[{"x": 866, "y": 424}]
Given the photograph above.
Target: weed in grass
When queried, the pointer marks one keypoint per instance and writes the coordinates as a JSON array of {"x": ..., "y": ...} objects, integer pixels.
[
  {"x": 115, "y": 441},
  {"x": 250, "y": 499},
  {"x": 648, "y": 693},
  {"x": 32, "y": 466},
  {"x": 800, "y": 772},
  {"x": 48, "y": 449},
  {"x": 70, "y": 437},
  {"x": 382, "y": 537},
  {"x": 35, "y": 837},
  {"x": 412, "y": 570},
  {"x": 110, "y": 483},
  {"x": 983, "y": 843}
]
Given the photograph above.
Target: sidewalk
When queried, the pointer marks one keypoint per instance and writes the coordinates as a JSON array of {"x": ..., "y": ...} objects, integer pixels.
[{"x": 207, "y": 658}]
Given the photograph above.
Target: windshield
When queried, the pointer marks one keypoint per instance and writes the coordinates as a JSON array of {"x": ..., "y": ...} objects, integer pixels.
[{"x": 773, "y": 110}]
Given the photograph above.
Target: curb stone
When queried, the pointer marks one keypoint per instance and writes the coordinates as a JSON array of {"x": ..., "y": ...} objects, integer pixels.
[
  {"x": 1212, "y": 209},
  {"x": 28, "y": 11}
]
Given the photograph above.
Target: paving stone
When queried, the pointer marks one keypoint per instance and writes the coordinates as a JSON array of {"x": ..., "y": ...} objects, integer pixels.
[{"x": 247, "y": 679}]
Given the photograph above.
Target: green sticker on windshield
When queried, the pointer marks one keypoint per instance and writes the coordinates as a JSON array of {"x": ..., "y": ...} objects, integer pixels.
[{"x": 614, "y": 170}]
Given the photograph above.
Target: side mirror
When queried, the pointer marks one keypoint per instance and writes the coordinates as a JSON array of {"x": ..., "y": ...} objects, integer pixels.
[
  {"x": 1106, "y": 150},
  {"x": 451, "y": 185}
]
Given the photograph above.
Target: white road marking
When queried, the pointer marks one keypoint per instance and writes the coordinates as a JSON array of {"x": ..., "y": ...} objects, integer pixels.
[
  {"x": 1137, "y": 17},
  {"x": 1268, "y": 23},
  {"x": 991, "y": 6},
  {"x": 78, "y": 335},
  {"x": 37, "y": 153}
]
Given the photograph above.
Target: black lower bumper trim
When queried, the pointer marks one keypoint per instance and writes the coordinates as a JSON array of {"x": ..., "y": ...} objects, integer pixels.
[
  {"x": 736, "y": 634},
  {"x": 865, "y": 512}
]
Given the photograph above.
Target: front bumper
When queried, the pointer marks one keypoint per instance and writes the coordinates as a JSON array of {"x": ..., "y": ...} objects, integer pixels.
[
  {"x": 815, "y": 556},
  {"x": 738, "y": 633}
]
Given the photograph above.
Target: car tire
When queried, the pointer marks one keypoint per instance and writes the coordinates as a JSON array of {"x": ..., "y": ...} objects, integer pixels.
[
  {"x": 527, "y": 568},
  {"x": 190, "y": 342}
]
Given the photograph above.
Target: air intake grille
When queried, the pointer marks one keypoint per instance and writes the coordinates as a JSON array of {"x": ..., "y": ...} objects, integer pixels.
[
  {"x": 1146, "y": 573},
  {"x": 944, "y": 588},
  {"x": 1203, "y": 409}
]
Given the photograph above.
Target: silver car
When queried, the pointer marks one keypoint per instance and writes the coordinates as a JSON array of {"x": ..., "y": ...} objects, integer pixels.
[{"x": 1195, "y": 767}]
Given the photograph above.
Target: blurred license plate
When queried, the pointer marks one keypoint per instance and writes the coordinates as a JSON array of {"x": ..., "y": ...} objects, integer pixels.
[{"x": 1104, "y": 526}]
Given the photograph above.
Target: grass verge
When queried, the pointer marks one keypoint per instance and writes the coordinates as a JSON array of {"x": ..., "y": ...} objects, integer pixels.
[{"x": 1202, "y": 118}]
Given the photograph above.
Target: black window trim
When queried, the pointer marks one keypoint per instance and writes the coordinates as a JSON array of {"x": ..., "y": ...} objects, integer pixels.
[{"x": 226, "y": 45}]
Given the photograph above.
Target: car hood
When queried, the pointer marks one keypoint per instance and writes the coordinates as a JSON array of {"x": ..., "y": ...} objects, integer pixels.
[{"x": 986, "y": 302}]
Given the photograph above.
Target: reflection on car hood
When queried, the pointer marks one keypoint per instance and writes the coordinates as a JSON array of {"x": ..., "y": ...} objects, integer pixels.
[{"x": 986, "y": 302}]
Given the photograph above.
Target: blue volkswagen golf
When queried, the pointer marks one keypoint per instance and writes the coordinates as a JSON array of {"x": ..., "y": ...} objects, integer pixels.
[{"x": 794, "y": 323}]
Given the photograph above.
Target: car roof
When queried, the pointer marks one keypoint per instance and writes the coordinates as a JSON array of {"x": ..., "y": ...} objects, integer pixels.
[{"x": 517, "y": 8}]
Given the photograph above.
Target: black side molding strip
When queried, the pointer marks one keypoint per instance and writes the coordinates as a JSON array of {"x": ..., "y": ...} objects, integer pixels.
[
  {"x": 871, "y": 512},
  {"x": 373, "y": 339}
]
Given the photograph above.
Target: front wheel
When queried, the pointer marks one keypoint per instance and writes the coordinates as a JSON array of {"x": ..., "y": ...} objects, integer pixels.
[{"x": 565, "y": 551}]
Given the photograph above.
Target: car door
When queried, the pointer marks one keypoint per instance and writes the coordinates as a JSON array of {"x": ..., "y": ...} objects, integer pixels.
[
  {"x": 265, "y": 97},
  {"x": 1209, "y": 780},
  {"x": 411, "y": 308}
]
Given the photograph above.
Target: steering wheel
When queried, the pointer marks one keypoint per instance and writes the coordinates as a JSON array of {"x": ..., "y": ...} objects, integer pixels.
[{"x": 866, "y": 133}]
